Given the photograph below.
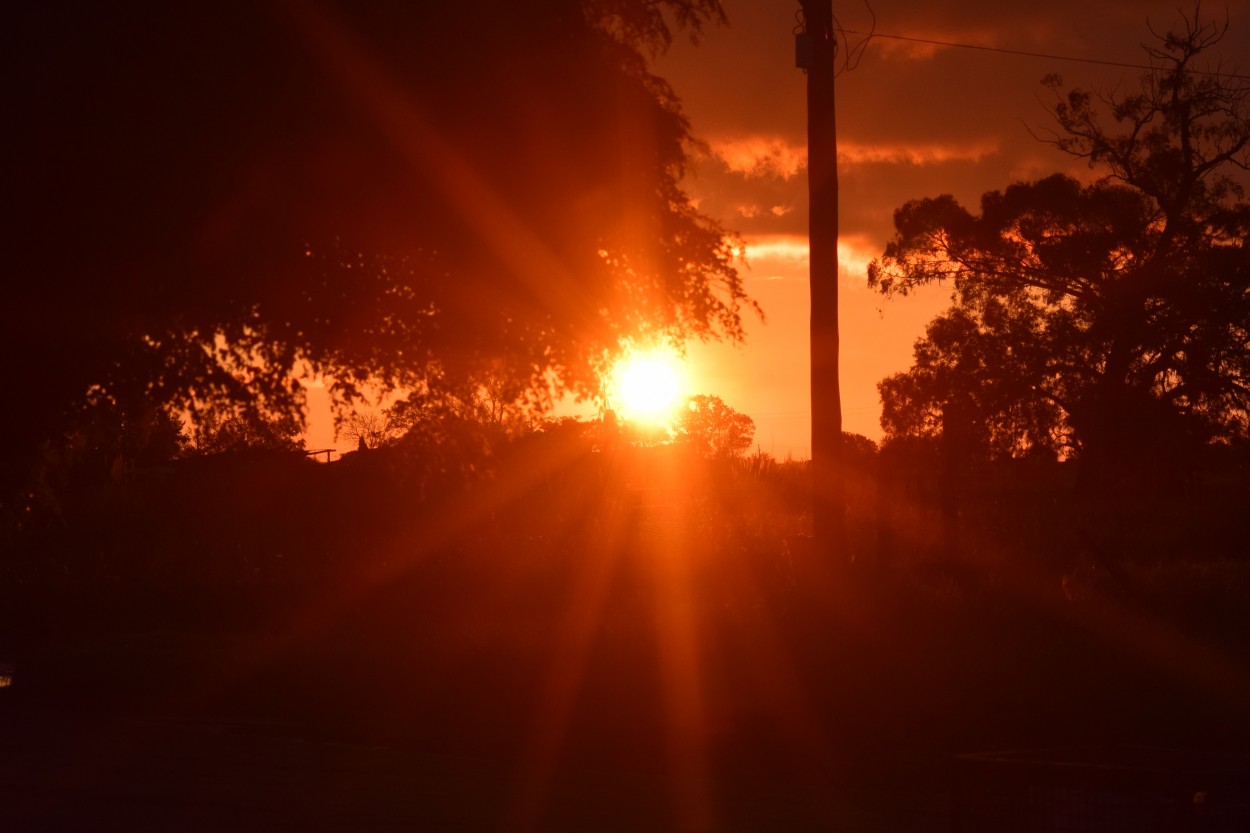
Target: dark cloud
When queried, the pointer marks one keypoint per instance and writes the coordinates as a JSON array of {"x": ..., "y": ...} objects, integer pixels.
[{"x": 914, "y": 119}]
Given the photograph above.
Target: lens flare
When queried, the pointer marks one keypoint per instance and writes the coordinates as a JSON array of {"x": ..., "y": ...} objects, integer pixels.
[{"x": 649, "y": 386}]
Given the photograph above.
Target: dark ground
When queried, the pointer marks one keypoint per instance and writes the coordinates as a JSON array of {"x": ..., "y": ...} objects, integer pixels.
[
  {"x": 339, "y": 729},
  {"x": 661, "y": 663},
  {"x": 165, "y": 763}
]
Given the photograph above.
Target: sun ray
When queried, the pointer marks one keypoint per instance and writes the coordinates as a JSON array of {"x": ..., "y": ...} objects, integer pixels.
[
  {"x": 570, "y": 658},
  {"x": 680, "y": 654}
]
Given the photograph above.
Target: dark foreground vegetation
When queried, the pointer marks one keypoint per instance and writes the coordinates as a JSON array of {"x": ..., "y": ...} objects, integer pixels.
[
  {"x": 1036, "y": 618},
  {"x": 651, "y": 618}
]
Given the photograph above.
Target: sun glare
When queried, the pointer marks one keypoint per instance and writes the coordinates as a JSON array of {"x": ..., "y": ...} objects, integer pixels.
[{"x": 648, "y": 386}]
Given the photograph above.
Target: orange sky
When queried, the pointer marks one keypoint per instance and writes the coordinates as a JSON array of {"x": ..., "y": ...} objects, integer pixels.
[{"x": 914, "y": 120}]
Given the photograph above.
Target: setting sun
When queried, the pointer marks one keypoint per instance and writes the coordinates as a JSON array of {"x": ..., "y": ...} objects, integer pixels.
[{"x": 648, "y": 386}]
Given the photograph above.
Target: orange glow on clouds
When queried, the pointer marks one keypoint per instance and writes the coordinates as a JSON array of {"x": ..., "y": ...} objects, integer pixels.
[
  {"x": 769, "y": 255},
  {"x": 784, "y": 247},
  {"x": 751, "y": 211},
  {"x": 773, "y": 156},
  {"x": 761, "y": 156},
  {"x": 915, "y": 153}
]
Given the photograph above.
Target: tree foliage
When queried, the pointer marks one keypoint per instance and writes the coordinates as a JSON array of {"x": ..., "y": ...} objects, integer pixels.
[
  {"x": 713, "y": 428},
  {"x": 1109, "y": 319},
  {"x": 212, "y": 202},
  {"x": 241, "y": 433}
]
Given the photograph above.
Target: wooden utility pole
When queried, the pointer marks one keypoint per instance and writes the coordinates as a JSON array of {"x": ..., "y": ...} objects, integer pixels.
[{"x": 817, "y": 43}]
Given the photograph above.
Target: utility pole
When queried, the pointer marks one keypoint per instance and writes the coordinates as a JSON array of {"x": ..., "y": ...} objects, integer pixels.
[{"x": 816, "y": 50}]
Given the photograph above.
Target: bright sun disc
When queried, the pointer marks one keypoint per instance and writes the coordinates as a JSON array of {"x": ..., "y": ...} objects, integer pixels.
[{"x": 648, "y": 385}]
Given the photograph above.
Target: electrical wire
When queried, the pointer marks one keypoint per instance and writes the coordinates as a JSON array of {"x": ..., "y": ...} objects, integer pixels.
[
  {"x": 854, "y": 53},
  {"x": 874, "y": 34}
]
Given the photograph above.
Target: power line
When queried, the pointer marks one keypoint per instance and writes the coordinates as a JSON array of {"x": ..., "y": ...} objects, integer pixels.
[{"x": 1031, "y": 54}]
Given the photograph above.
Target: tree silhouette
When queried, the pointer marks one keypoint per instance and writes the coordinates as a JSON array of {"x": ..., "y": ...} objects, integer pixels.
[
  {"x": 1106, "y": 320},
  {"x": 714, "y": 428},
  {"x": 408, "y": 195},
  {"x": 241, "y": 432},
  {"x": 368, "y": 428}
]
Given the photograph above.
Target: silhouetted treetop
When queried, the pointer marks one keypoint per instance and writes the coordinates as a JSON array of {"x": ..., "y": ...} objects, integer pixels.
[
  {"x": 1108, "y": 319},
  {"x": 411, "y": 194},
  {"x": 713, "y": 428},
  {"x": 1177, "y": 137}
]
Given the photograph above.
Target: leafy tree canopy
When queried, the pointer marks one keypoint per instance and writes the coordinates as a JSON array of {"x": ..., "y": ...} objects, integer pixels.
[
  {"x": 713, "y": 428},
  {"x": 206, "y": 202},
  {"x": 1107, "y": 318},
  {"x": 234, "y": 435}
]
